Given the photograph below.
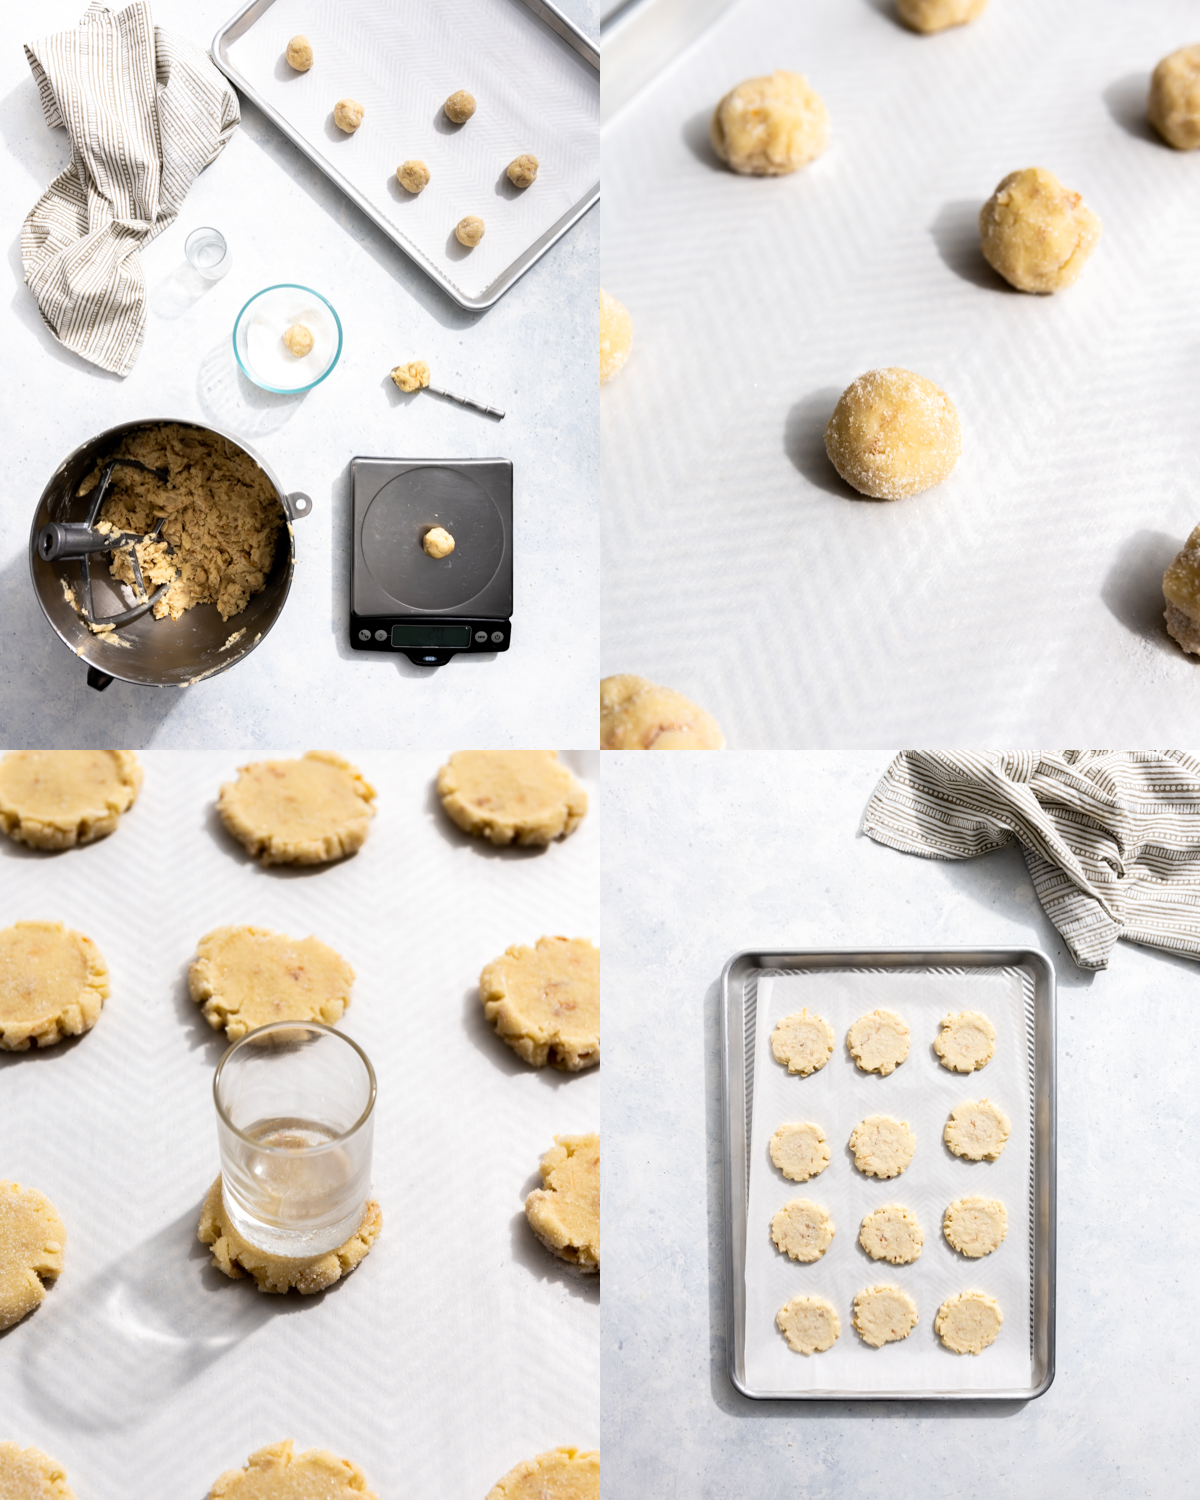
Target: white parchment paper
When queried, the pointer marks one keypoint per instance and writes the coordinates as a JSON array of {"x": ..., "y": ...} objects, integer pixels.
[{"x": 921, "y": 1092}]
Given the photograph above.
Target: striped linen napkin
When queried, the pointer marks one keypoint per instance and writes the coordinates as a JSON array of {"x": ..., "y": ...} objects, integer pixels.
[
  {"x": 146, "y": 112},
  {"x": 1111, "y": 837}
]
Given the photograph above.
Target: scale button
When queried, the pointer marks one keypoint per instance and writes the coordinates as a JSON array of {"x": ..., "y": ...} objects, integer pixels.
[
  {"x": 497, "y": 636},
  {"x": 364, "y": 635},
  {"x": 481, "y": 635},
  {"x": 381, "y": 635}
]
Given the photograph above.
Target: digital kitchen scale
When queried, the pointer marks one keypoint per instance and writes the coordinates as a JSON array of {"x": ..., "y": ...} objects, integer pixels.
[{"x": 401, "y": 599}]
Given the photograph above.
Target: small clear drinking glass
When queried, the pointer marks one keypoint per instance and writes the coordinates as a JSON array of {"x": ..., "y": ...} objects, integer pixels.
[
  {"x": 207, "y": 253},
  {"x": 295, "y": 1128}
]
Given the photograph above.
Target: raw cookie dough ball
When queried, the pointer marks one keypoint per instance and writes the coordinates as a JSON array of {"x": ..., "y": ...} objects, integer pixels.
[
  {"x": 1036, "y": 233},
  {"x": 1181, "y": 590},
  {"x": 884, "y": 1314},
  {"x": 892, "y": 1233},
  {"x": 968, "y": 1323},
  {"x": 809, "y": 1324},
  {"x": 413, "y": 175},
  {"x": 299, "y": 54},
  {"x": 27, "y": 1474},
  {"x": 975, "y": 1226},
  {"x": 523, "y": 170},
  {"x": 1174, "y": 104},
  {"x": 32, "y": 1237},
  {"x": 893, "y": 434},
  {"x": 55, "y": 799},
  {"x": 438, "y": 542},
  {"x": 936, "y": 15},
  {"x": 561, "y": 1474},
  {"x": 803, "y": 1042},
  {"x": 565, "y": 1212},
  {"x": 275, "y": 1473},
  {"x": 977, "y": 1130},
  {"x": 966, "y": 1041},
  {"x": 460, "y": 106},
  {"x": 802, "y": 1229},
  {"x": 800, "y": 1151},
  {"x": 545, "y": 1002},
  {"x": 244, "y": 977},
  {"x": 769, "y": 126},
  {"x": 412, "y": 376},
  {"x": 299, "y": 812},
  {"x": 512, "y": 796},
  {"x": 469, "y": 231},
  {"x": 640, "y": 715},
  {"x": 53, "y": 983},
  {"x": 299, "y": 340},
  {"x": 878, "y": 1042},
  {"x": 348, "y": 115},
  {"x": 616, "y": 336},
  {"x": 882, "y": 1147}
]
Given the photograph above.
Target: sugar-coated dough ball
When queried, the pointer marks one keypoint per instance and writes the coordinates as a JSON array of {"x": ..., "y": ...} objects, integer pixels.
[
  {"x": 1174, "y": 105},
  {"x": 893, "y": 434},
  {"x": 936, "y": 15},
  {"x": 413, "y": 175},
  {"x": 348, "y": 115},
  {"x": 300, "y": 54},
  {"x": 1181, "y": 590},
  {"x": 438, "y": 542},
  {"x": 460, "y": 106},
  {"x": 1036, "y": 233},
  {"x": 616, "y": 336},
  {"x": 412, "y": 376},
  {"x": 469, "y": 231},
  {"x": 298, "y": 339},
  {"x": 769, "y": 126},
  {"x": 640, "y": 715},
  {"x": 523, "y": 170}
]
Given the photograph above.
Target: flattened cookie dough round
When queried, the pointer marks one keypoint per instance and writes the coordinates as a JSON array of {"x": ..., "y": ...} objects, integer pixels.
[
  {"x": 883, "y": 1315},
  {"x": 53, "y": 983},
  {"x": 564, "y": 1213},
  {"x": 809, "y": 1324},
  {"x": 937, "y": 15},
  {"x": 640, "y": 715},
  {"x": 975, "y": 1226},
  {"x": 55, "y": 799},
  {"x": 27, "y": 1474},
  {"x": 804, "y": 1042},
  {"x": 512, "y": 796},
  {"x": 244, "y": 977},
  {"x": 878, "y": 1042},
  {"x": 892, "y": 1233},
  {"x": 968, "y": 1322},
  {"x": 560, "y": 1474},
  {"x": 893, "y": 434},
  {"x": 1036, "y": 233},
  {"x": 966, "y": 1041},
  {"x": 1174, "y": 104},
  {"x": 977, "y": 1130},
  {"x": 276, "y": 1473},
  {"x": 545, "y": 1002},
  {"x": 299, "y": 812},
  {"x": 305, "y": 1274},
  {"x": 32, "y": 1237},
  {"x": 882, "y": 1147},
  {"x": 616, "y": 336},
  {"x": 802, "y": 1229},
  {"x": 800, "y": 1151},
  {"x": 769, "y": 126}
]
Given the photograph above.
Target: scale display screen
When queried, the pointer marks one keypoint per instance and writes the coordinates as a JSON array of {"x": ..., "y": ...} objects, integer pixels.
[{"x": 431, "y": 636}]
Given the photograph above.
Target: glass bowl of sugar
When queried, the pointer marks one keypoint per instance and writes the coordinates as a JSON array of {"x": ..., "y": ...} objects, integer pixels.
[{"x": 264, "y": 354}]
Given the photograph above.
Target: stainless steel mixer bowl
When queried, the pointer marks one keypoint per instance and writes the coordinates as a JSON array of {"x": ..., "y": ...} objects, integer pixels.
[{"x": 160, "y": 652}]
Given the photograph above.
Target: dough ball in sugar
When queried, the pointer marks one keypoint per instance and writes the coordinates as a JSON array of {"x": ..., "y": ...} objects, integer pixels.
[
  {"x": 893, "y": 434},
  {"x": 769, "y": 126},
  {"x": 469, "y": 231},
  {"x": 438, "y": 542},
  {"x": 348, "y": 115},
  {"x": 640, "y": 715},
  {"x": 522, "y": 170},
  {"x": 299, "y": 53},
  {"x": 616, "y": 336},
  {"x": 412, "y": 175},
  {"x": 803, "y": 1042},
  {"x": 1181, "y": 590},
  {"x": 299, "y": 340},
  {"x": 937, "y": 15},
  {"x": 1174, "y": 104},
  {"x": 460, "y": 106},
  {"x": 1036, "y": 233}
]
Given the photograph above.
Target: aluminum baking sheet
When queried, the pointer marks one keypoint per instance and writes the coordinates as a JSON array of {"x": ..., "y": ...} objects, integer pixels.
[
  {"x": 535, "y": 77},
  {"x": 458, "y": 1347},
  {"x": 1015, "y": 989}
]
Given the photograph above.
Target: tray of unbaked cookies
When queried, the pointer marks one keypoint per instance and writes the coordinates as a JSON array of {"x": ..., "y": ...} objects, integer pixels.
[
  {"x": 371, "y": 91},
  {"x": 889, "y": 1133}
]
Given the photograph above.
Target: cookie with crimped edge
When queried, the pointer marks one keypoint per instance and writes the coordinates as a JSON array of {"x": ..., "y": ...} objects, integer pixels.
[
  {"x": 305, "y": 1274},
  {"x": 810, "y": 1324},
  {"x": 544, "y": 1002},
  {"x": 277, "y": 1473},
  {"x": 244, "y": 977},
  {"x": 882, "y": 1147},
  {"x": 559, "y": 1474},
  {"x": 640, "y": 715},
  {"x": 56, "y": 799},
  {"x": 32, "y": 1239},
  {"x": 803, "y": 1230},
  {"x": 28, "y": 1474},
  {"x": 512, "y": 796},
  {"x": 298, "y": 812},
  {"x": 564, "y": 1213},
  {"x": 800, "y": 1150},
  {"x": 892, "y": 1233},
  {"x": 878, "y": 1042},
  {"x": 966, "y": 1041},
  {"x": 968, "y": 1322},
  {"x": 803, "y": 1042},
  {"x": 53, "y": 984},
  {"x": 977, "y": 1130},
  {"x": 975, "y": 1226},
  {"x": 883, "y": 1315}
]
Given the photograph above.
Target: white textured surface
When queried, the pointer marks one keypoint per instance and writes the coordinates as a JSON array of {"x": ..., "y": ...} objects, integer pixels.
[
  {"x": 458, "y": 1346},
  {"x": 1021, "y": 599},
  {"x": 714, "y": 853},
  {"x": 533, "y": 355}
]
